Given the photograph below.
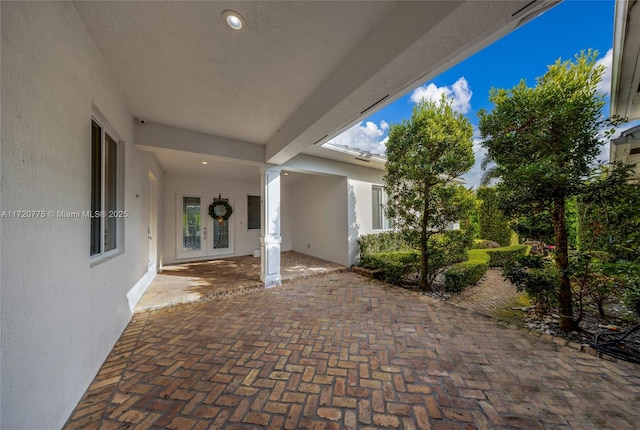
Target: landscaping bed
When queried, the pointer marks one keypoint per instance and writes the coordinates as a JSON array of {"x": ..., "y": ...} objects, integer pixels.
[{"x": 618, "y": 319}]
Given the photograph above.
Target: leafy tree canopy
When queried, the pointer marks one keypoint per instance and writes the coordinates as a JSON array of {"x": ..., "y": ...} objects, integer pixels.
[
  {"x": 494, "y": 225},
  {"x": 543, "y": 141},
  {"x": 609, "y": 213},
  {"x": 424, "y": 154}
]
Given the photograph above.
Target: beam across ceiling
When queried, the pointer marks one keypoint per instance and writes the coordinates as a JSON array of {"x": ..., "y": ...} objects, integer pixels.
[{"x": 415, "y": 42}]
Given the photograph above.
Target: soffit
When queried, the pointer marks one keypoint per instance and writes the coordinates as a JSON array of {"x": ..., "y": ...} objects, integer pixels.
[
  {"x": 298, "y": 74},
  {"x": 625, "y": 96},
  {"x": 179, "y": 64}
]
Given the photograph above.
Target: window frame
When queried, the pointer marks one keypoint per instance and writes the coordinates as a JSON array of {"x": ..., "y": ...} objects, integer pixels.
[
  {"x": 117, "y": 179},
  {"x": 386, "y": 224}
]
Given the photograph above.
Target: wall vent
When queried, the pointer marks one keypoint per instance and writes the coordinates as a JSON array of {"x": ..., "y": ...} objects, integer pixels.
[
  {"x": 634, "y": 151},
  {"x": 320, "y": 140},
  {"x": 523, "y": 8},
  {"x": 376, "y": 103},
  {"x": 362, "y": 159}
]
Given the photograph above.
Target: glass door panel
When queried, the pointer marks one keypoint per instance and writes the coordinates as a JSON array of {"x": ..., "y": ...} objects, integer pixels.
[
  {"x": 191, "y": 221},
  {"x": 195, "y": 226},
  {"x": 221, "y": 232},
  {"x": 191, "y": 238},
  {"x": 222, "y": 241}
]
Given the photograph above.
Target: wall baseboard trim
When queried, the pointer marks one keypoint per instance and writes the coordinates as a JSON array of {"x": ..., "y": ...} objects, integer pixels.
[{"x": 136, "y": 292}]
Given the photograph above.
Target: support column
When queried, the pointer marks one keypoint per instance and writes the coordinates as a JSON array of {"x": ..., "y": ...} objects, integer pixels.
[{"x": 270, "y": 238}]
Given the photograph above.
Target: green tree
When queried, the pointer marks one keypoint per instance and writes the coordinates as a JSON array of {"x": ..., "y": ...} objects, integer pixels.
[
  {"x": 609, "y": 213},
  {"x": 494, "y": 225},
  {"x": 424, "y": 155},
  {"x": 538, "y": 224},
  {"x": 543, "y": 141}
]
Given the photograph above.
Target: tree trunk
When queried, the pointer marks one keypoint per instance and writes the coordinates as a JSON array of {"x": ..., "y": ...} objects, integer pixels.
[
  {"x": 424, "y": 266},
  {"x": 601, "y": 309},
  {"x": 562, "y": 263}
]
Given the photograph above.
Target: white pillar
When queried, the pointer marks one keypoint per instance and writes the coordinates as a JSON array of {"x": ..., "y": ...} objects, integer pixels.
[{"x": 270, "y": 238}]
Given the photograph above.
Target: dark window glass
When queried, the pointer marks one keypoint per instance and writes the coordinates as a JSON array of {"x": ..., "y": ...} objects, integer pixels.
[
  {"x": 253, "y": 212},
  {"x": 96, "y": 185}
]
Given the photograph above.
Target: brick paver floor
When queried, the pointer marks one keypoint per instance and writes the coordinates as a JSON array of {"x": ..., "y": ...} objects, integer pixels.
[
  {"x": 192, "y": 282},
  {"x": 344, "y": 351},
  {"x": 492, "y": 292}
]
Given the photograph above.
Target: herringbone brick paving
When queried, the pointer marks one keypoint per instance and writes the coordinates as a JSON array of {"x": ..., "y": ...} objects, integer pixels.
[
  {"x": 491, "y": 293},
  {"x": 343, "y": 351},
  {"x": 203, "y": 280}
]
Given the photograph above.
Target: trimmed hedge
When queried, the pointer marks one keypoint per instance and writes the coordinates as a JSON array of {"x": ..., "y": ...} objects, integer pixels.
[
  {"x": 461, "y": 275},
  {"x": 485, "y": 244},
  {"x": 501, "y": 257},
  {"x": 382, "y": 242},
  {"x": 391, "y": 266}
]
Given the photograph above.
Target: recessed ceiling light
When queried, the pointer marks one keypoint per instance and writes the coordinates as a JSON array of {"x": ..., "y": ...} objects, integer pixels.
[
  {"x": 204, "y": 162},
  {"x": 286, "y": 174},
  {"x": 233, "y": 19}
]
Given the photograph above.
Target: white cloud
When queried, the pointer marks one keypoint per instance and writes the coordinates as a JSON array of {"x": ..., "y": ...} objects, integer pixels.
[
  {"x": 459, "y": 92},
  {"x": 474, "y": 175},
  {"x": 605, "y": 84},
  {"x": 365, "y": 136}
]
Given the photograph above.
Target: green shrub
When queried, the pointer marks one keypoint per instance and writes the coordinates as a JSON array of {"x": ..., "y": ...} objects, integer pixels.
[
  {"x": 501, "y": 257},
  {"x": 391, "y": 266},
  {"x": 484, "y": 244},
  {"x": 537, "y": 276},
  {"x": 443, "y": 250},
  {"x": 382, "y": 242},
  {"x": 593, "y": 276},
  {"x": 494, "y": 225},
  {"x": 461, "y": 275},
  {"x": 629, "y": 273},
  {"x": 632, "y": 293}
]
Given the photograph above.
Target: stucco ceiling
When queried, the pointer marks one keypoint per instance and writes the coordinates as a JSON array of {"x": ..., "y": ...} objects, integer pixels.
[
  {"x": 299, "y": 73},
  {"x": 179, "y": 64}
]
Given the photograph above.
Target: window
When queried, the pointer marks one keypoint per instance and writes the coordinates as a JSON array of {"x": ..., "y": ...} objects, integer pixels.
[
  {"x": 106, "y": 195},
  {"x": 253, "y": 212},
  {"x": 379, "y": 199}
]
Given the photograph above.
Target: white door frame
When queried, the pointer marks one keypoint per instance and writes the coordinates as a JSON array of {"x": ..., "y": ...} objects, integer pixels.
[
  {"x": 152, "y": 229},
  {"x": 206, "y": 227}
]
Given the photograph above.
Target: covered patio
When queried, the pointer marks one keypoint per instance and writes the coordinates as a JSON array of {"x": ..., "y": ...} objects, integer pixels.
[
  {"x": 152, "y": 109},
  {"x": 203, "y": 280},
  {"x": 344, "y": 351}
]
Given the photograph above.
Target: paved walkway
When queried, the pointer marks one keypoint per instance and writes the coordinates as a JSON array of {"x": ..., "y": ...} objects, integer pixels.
[
  {"x": 191, "y": 282},
  {"x": 344, "y": 351},
  {"x": 494, "y": 296}
]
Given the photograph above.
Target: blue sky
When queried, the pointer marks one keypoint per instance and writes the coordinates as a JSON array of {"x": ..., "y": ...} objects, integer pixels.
[{"x": 525, "y": 53}]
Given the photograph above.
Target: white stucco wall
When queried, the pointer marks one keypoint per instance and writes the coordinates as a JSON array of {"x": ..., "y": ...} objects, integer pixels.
[
  {"x": 360, "y": 214},
  {"x": 319, "y": 217},
  {"x": 60, "y": 316},
  {"x": 245, "y": 241},
  {"x": 360, "y": 179}
]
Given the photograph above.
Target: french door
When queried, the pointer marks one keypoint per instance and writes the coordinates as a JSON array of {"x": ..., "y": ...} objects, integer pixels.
[{"x": 198, "y": 234}]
